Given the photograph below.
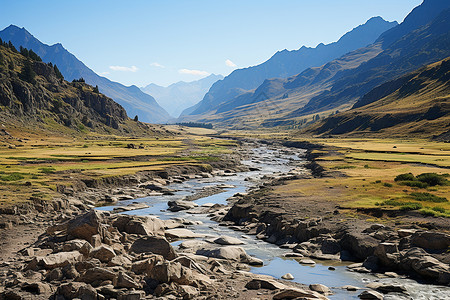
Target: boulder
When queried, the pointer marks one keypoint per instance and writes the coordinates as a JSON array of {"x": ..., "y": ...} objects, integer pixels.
[
  {"x": 387, "y": 287},
  {"x": 97, "y": 274},
  {"x": 387, "y": 254},
  {"x": 86, "y": 225},
  {"x": 146, "y": 266},
  {"x": 228, "y": 240},
  {"x": 132, "y": 295},
  {"x": 81, "y": 245},
  {"x": 120, "y": 260},
  {"x": 307, "y": 261},
  {"x": 126, "y": 281},
  {"x": 179, "y": 205},
  {"x": 181, "y": 233},
  {"x": 38, "y": 288},
  {"x": 172, "y": 272},
  {"x": 371, "y": 295},
  {"x": 264, "y": 283},
  {"x": 55, "y": 260},
  {"x": 320, "y": 288},
  {"x": 288, "y": 276},
  {"x": 296, "y": 293},
  {"x": 139, "y": 225},
  {"x": 155, "y": 245},
  {"x": 69, "y": 290},
  {"x": 360, "y": 245},
  {"x": 416, "y": 259},
  {"x": 233, "y": 253},
  {"x": 103, "y": 253},
  {"x": 405, "y": 232},
  {"x": 431, "y": 240}
]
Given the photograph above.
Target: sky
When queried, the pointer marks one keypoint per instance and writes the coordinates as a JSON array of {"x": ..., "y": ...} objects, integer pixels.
[{"x": 147, "y": 41}]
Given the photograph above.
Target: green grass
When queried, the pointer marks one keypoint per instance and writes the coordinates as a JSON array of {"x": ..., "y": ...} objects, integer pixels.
[
  {"x": 428, "y": 197},
  {"x": 12, "y": 177},
  {"x": 47, "y": 170}
]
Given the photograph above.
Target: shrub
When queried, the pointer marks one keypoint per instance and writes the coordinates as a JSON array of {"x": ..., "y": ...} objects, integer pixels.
[
  {"x": 387, "y": 184},
  {"x": 47, "y": 170},
  {"x": 439, "y": 209},
  {"x": 405, "y": 177},
  {"x": 11, "y": 177},
  {"x": 411, "y": 206},
  {"x": 428, "y": 197},
  {"x": 417, "y": 184},
  {"x": 432, "y": 179}
]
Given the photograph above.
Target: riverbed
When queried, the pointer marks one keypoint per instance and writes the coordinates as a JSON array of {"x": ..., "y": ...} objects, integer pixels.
[{"x": 268, "y": 161}]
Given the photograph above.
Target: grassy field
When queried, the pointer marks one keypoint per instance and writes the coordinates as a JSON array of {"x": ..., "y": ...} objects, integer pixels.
[{"x": 32, "y": 164}]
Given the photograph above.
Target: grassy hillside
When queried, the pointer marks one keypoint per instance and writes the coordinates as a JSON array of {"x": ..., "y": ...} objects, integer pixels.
[{"x": 416, "y": 104}]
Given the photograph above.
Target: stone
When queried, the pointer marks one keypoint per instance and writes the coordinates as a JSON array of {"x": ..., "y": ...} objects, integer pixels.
[
  {"x": 155, "y": 245},
  {"x": 307, "y": 261},
  {"x": 416, "y": 259},
  {"x": 96, "y": 240},
  {"x": 228, "y": 240},
  {"x": 37, "y": 288},
  {"x": 81, "y": 245},
  {"x": 172, "y": 272},
  {"x": 97, "y": 274},
  {"x": 54, "y": 275},
  {"x": 125, "y": 281},
  {"x": 120, "y": 260},
  {"x": 179, "y": 205},
  {"x": 431, "y": 240},
  {"x": 350, "y": 288},
  {"x": 139, "y": 225},
  {"x": 296, "y": 293},
  {"x": 370, "y": 295},
  {"x": 87, "y": 292},
  {"x": 86, "y": 225},
  {"x": 233, "y": 253},
  {"x": 387, "y": 254},
  {"x": 188, "y": 292},
  {"x": 69, "y": 290},
  {"x": 264, "y": 283},
  {"x": 320, "y": 288},
  {"x": 181, "y": 233},
  {"x": 132, "y": 295},
  {"x": 146, "y": 266},
  {"x": 405, "y": 232},
  {"x": 288, "y": 276},
  {"x": 56, "y": 260},
  {"x": 359, "y": 244},
  {"x": 70, "y": 272},
  {"x": 103, "y": 253},
  {"x": 387, "y": 287}
]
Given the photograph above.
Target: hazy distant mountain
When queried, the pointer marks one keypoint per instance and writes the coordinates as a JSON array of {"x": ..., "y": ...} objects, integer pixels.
[
  {"x": 287, "y": 63},
  {"x": 131, "y": 98},
  {"x": 178, "y": 96}
]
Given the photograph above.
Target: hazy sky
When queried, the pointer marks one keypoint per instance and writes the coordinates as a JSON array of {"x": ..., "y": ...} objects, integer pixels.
[{"x": 144, "y": 41}]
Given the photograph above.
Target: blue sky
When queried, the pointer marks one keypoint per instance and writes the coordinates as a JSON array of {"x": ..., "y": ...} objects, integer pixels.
[{"x": 145, "y": 41}]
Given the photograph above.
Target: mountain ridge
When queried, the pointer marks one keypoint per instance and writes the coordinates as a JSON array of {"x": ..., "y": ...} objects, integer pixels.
[{"x": 131, "y": 98}]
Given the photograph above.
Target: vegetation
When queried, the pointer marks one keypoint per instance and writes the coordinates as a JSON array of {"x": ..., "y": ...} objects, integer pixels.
[{"x": 195, "y": 124}]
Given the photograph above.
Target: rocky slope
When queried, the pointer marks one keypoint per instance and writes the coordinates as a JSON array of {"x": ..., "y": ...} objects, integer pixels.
[
  {"x": 131, "y": 98},
  {"x": 287, "y": 63},
  {"x": 416, "y": 104}
]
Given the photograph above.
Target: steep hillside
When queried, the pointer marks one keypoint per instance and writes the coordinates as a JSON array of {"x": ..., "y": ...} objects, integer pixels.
[
  {"x": 417, "y": 104},
  {"x": 131, "y": 98},
  {"x": 287, "y": 63},
  {"x": 34, "y": 96},
  {"x": 181, "y": 95}
]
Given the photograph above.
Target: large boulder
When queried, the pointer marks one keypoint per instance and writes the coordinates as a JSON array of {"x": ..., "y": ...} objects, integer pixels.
[
  {"x": 181, "y": 233},
  {"x": 296, "y": 293},
  {"x": 360, "y": 245},
  {"x": 228, "y": 240},
  {"x": 178, "y": 205},
  {"x": 233, "y": 253},
  {"x": 147, "y": 265},
  {"x": 172, "y": 272},
  {"x": 431, "y": 240},
  {"x": 139, "y": 225},
  {"x": 416, "y": 259},
  {"x": 103, "y": 253},
  {"x": 86, "y": 225},
  {"x": 264, "y": 282},
  {"x": 55, "y": 260},
  {"x": 155, "y": 245},
  {"x": 97, "y": 274}
]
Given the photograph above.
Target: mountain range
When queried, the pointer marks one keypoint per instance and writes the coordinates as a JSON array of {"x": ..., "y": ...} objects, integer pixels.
[
  {"x": 422, "y": 38},
  {"x": 181, "y": 95},
  {"x": 130, "y": 97},
  {"x": 287, "y": 63}
]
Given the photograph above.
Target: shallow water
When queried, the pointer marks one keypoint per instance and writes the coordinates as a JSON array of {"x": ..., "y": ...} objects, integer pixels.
[{"x": 271, "y": 161}]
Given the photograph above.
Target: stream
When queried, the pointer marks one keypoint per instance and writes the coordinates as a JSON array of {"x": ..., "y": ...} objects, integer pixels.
[{"x": 271, "y": 161}]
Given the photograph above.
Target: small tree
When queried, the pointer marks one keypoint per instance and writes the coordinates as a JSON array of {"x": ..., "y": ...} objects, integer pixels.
[
  {"x": 28, "y": 73},
  {"x": 96, "y": 89},
  {"x": 59, "y": 75},
  {"x": 136, "y": 118}
]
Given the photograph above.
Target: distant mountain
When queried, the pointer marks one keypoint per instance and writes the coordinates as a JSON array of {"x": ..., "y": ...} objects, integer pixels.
[
  {"x": 338, "y": 84},
  {"x": 178, "y": 96},
  {"x": 287, "y": 63},
  {"x": 416, "y": 104},
  {"x": 131, "y": 98}
]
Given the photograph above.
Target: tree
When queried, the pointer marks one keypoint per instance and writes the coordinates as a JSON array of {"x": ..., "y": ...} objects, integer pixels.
[
  {"x": 96, "y": 89},
  {"x": 28, "y": 73},
  {"x": 136, "y": 118},
  {"x": 59, "y": 75}
]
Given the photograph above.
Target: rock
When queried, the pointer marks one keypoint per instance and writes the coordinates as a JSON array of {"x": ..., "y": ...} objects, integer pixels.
[
  {"x": 370, "y": 295},
  {"x": 146, "y": 266},
  {"x": 360, "y": 245},
  {"x": 416, "y": 259},
  {"x": 371, "y": 263},
  {"x": 233, "y": 253},
  {"x": 70, "y": 272},
  {"x": 155, "y": 245},
  {"x": 320, "y": 288},
  {"x": 37, "y": 288},
  {"x": 87, "y": 292},
  {"x": 120, "y": 260},
  {"x": 387, "y": 254},
  {"x": 405, "y": 232},
  {"x": 97, "y": 274},
  {"x": 431, "y": 240},
  {"x": 387, "y": 287},
  {"x": 139, "y": 225},
  {"x": 86, "y": 225},
  {"x": 130, "y": 207},
  {"x": 288, "y": 276},
  {"x": 307, "y": 261},
  {"x": 96, "y": 240},
  {"x": 228, "y": 240},
  {"x": 296, "y": 293},
  {"x": 192, "y": 245},
  {"x": 54, "y": 275},
  {"x": 81, "y": 245},
  {"x": 293, "y": 255},
  {"x": 179, "y": 205},
  {"x": 350, "y": 288},
  {"x": 188, "y": 292},
  {"x": 264, "y": 283},
  {"x": 103, "y": 253},
  {"x": 181, "y": 233},
  {"x": 69, "y": 290},
  {"x": 132, "y": 295},
  {"x": 55, "y": 260},
  {"x": 125, "y": 281},
  {"x": 172, "y": 272}
]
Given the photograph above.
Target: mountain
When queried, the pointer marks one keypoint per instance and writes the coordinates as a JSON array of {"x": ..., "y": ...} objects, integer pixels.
[
  {"x": 416, "y": 104},
  {"x": 34, "y": 95},
  {"x": 338, "y": 84},
  {"x": 179, "y": 96},
  {"x": 287, "y": 63},
  {"x": 131, "y": 98}
]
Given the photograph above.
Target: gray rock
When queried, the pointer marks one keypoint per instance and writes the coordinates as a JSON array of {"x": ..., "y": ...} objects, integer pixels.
[
  {"x": 125, "y": 281},
  {"x": 228, "y": 240},
  {"x": 97, "y": 274},
  {"x": 179, "y": 205},
  {"x": 181, "y": 233},
  {"x": 296, "y": 293},
  {"x": 370, "y": 295},
  {"x": 320, "y": 288},
  {"x": 287, "y": 276},
  {"x": 264, "y": 283},
  {"x": 103, "y": 253},
  {"x": 233, "y": 253},
  {"x": 431, "y": 240},
  {"x": 155, "y": 245},
  {"x": 86, "y": 225}
]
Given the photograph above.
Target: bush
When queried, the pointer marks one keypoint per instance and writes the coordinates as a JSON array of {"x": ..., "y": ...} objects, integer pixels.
[
  {"x": 417, "y": 184},
  {"x": 387, "y": 184},
  {"x": 405, "y": 177},
  {"x": 411, "y": 206},
  {"x": 11, "y": 177},
  {"x": 428, "y": 197},
  {"x": 48, "y": 170},
  {"x": 432, "y": 179},
  {"x": 439, "y": 209}
]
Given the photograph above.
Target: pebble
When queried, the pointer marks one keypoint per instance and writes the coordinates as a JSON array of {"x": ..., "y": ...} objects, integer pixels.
[{"x": 288, "y": 276}]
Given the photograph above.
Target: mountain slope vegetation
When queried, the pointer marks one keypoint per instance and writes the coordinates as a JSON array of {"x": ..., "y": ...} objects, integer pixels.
[
  {"x": 131, "y": 98},
  {"x": 417, "y": 104}
]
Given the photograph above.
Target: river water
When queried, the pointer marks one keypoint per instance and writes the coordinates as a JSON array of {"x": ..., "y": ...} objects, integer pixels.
[{"x": 271, "y": 161}]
